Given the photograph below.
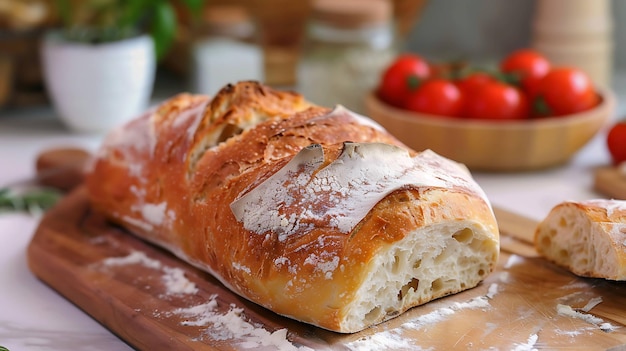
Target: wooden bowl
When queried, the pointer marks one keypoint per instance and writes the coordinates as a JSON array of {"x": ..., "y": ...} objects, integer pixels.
[{"x": 498, "y": 146}]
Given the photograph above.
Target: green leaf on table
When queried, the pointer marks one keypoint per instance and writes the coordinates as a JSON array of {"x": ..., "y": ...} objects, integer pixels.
[{"x": 33, "y": 200}]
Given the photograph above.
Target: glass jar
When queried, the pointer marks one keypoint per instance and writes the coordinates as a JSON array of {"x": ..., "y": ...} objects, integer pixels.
[
  {"x": 226, "y": 49},
  {"x": 347, "y": 46}
]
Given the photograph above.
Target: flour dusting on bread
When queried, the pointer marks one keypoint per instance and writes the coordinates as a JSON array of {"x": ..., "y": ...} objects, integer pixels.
[
  {"x": 315, "y": 213},
  {"x": 295, "y": 198}
]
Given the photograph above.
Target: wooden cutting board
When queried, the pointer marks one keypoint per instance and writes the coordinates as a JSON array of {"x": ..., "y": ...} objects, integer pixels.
[
  {"x": 610, "y": 182},
  {"x": 153, "y": 301}
]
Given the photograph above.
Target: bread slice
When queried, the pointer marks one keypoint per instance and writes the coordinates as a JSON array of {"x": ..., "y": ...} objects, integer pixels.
[{"x": 586, "y": 237}]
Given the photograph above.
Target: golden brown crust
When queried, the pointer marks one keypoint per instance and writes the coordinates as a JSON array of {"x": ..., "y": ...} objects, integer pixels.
[{"x": 171, "y": 176}]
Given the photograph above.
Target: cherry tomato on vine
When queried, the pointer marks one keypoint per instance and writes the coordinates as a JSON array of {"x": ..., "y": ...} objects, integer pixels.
[
  {"x": 401, "y": 78},
  {"x": 496, "y": 101},
  {"x": 616, "y": 142},
  {"x": 563, "y": 91},
  {"x": 528, "y": 66},
  {"x": 437, "y": 97}
]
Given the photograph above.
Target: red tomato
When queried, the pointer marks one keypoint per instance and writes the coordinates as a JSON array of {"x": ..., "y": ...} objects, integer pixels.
[
  {"x": 616, "y": 142},
  {"x": 437, "y": 97},
  {"x": 401, "y": 78},
  {"x": 563, "y": 91},
  {"x": 496, "y": 101},
  {"x": 473, "y": 83},
  {"x": 529, "y": 66}
]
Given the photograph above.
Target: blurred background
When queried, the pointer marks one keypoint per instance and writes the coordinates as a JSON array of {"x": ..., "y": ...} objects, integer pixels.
[{"x": 277, "y": 32}]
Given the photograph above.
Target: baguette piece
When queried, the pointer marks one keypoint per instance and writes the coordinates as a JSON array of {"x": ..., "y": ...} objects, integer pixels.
[
  {"x": 586, "y": 237},
  {"x": 317, "y": 214}
]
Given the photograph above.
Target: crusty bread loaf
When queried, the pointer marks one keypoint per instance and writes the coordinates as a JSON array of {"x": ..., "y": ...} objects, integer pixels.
[
  {"x": 586, "y": 237},
  {"x": 316, "y": 214}
]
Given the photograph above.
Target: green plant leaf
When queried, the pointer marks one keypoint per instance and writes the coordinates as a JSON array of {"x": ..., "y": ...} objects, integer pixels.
[
  {"x": 134, "y": 11},
  {"x": 64, "y": 10},
  {"x": 163, "y": 27},
  {"x": 195, "y": 7},
  {"x": 97, "y": 21},
  {"x": 33, "y": 200}
]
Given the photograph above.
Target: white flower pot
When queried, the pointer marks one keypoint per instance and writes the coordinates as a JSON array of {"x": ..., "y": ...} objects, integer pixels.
[{"x": 95, "y": 87}]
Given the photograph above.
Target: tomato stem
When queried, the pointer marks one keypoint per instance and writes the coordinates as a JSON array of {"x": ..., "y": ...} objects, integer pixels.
[
  {"x": 540, "y": 107},
  {"x": 413, "y": 82}
]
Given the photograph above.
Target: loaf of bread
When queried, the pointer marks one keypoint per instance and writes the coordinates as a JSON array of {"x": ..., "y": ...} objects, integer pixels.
[
  {"x": 586, "y": 237},
  {"x": 317, "y": 214}
]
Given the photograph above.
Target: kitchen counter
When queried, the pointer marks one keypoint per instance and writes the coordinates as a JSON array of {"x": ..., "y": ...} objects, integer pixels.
[{"x": 35, "y": 317}]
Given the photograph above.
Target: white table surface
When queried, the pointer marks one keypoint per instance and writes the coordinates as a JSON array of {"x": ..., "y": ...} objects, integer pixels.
[{"x": 35, "y": 317}]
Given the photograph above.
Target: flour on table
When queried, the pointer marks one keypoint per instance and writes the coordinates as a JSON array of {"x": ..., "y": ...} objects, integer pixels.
[
  {"x": 176, "y": 282},
  {"x": 173, "y": 278},
  {"x": 489, "y": 328},
  {"x": 575, "y": 284},
  {"x": 529, "y": 345},
  {"x": 493, "y": 290},
  {"x": 386, "y": 340},
  {"x": 504, "y": 277},
  {"x": 568, "y": 311},
  {"x": 513, "y": 260},
  {"x": 570, "y": 333},
  {"x": 592, "y": 303},
  {"x": 440, "y": 314},
  {"x": 135, "y": 257},
  {"x": 233, "y": 326},
  {"x": 393, "y": 339}
]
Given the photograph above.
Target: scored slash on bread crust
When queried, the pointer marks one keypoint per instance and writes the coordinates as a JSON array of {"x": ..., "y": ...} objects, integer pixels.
[
  {"x": 188, "y": 175},
  {"x": 586, "y": 237}
]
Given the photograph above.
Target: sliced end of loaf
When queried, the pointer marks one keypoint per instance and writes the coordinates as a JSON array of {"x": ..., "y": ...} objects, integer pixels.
[
  {"x": 571, "y": 238},
  {"x": 436, "y": 266},
  {"x": 430, "y": 262}
]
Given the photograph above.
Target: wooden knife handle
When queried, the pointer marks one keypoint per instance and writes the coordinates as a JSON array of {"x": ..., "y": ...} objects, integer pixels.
[{"x": 61, "y": 168}]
